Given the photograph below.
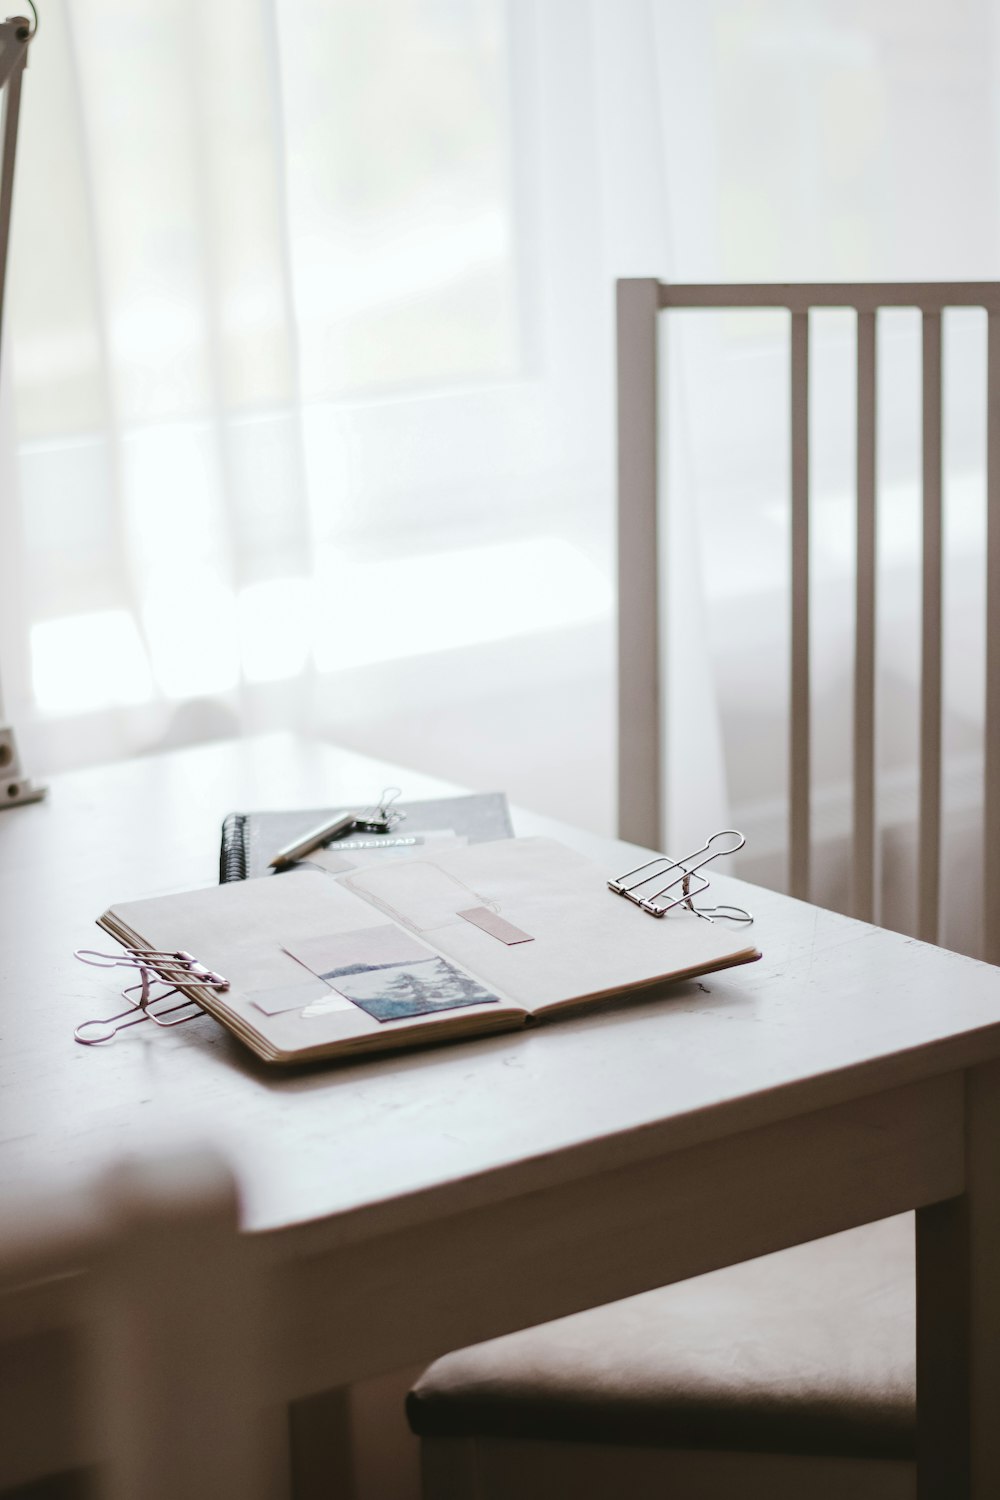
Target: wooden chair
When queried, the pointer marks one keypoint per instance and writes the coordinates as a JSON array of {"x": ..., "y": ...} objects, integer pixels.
[
  {"x": 643, "y": 760},
  {"x": 787, "y": 1376},
  {"x": 143, "y": 1282},
  {"x": 796, "y": 1373}
]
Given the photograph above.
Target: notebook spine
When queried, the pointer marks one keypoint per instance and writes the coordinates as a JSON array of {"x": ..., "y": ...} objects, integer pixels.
[{"x": 233, "y": 849}]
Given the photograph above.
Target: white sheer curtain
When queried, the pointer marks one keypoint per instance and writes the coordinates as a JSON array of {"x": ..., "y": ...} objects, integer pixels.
[
  {"x": 310, "y": 334},
  {"x": 824, "y": 142},
  {"x": 310, "y": 324}
]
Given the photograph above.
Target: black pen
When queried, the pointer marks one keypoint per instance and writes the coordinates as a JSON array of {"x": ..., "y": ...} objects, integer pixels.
[{"x": 335, "y": 828}]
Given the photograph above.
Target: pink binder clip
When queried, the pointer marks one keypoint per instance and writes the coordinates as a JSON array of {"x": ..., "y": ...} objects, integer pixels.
[{"x": 161, "y": 976}]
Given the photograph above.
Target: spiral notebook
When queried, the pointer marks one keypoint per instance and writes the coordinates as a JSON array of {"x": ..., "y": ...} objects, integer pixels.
[
  {"x": 480, "y": 938},
  {"x": 250, "y": 839}
]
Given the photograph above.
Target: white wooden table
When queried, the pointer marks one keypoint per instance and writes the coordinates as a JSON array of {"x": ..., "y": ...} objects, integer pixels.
[{"x": 405, "y": 1206}]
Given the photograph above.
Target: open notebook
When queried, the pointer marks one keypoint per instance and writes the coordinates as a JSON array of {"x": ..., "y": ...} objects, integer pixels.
[{"x": 485, "y": 937}]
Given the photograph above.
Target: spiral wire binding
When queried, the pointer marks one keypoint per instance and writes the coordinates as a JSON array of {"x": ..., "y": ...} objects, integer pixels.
[{"x": 233, "y": 849}]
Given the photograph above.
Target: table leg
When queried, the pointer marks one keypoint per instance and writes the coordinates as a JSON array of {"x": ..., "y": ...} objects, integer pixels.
[
  {"x": 322, "y": 1448},
  {"x": 958, "y": 1315},
  {"x": 274, "y": 1449}
]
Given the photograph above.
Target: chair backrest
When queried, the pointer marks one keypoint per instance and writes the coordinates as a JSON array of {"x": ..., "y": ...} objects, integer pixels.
[
  {"x": 141, "y": 1285},
  {"x": 641, "y": 770}
]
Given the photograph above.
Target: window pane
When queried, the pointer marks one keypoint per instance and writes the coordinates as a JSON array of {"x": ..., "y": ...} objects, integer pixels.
[{"x": 400, "y": 217}]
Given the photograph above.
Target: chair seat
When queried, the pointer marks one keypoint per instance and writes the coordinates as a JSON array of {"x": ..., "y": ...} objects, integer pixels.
[{"x": 808, "y": 1351}]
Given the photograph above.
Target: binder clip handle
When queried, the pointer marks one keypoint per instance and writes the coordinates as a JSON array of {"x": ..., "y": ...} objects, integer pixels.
[
  {"x": 662, "y": 884},
  {"x": 731, "y": 843}
]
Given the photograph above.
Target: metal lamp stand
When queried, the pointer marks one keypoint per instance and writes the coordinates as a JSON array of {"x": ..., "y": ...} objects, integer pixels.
[{"x": 15, "y": 35}]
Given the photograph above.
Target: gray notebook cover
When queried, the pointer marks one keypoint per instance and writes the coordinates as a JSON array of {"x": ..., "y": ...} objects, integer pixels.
[{"x": 250, "y": 839}]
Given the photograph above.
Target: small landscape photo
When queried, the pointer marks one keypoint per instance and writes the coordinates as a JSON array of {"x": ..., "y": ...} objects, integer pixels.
[{"x": 398, "y": 991}]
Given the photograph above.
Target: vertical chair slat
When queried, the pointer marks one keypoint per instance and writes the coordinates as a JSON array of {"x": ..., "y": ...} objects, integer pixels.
[
  {"x": 991, "y": 757},
  {"x": 929, "y": 857},
  {"x": 799, "y": 829},
  {"x": 864, "y": 840},
  {"x": 640, "y": 739}
]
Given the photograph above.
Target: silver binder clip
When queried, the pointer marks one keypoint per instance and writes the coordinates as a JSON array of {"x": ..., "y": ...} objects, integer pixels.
[
  {"x": 662, "y": 884},
  {"x": 161, "y": 976},
  {"x": 381, "y": 817}
]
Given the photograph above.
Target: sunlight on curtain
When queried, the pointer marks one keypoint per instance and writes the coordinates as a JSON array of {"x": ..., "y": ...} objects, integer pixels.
[
  {"x": 310, "y": 319},
  {"x": 283, "y": 412},
  {"x": 400, "y": 209}
]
